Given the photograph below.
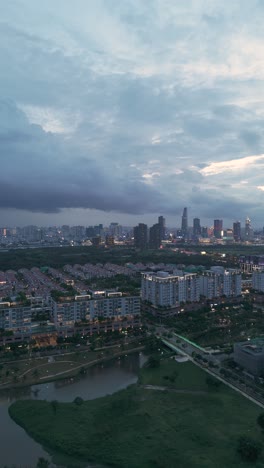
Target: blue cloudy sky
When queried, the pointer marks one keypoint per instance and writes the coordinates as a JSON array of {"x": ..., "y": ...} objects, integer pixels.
[{"x": 120, "y": 110}]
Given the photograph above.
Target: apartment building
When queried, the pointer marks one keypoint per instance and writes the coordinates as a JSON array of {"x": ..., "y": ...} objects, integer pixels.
[
  {"x": 258, "y": 280},
  {"x": 15, "y": 318},
  {"x": 166, "y": 290},
  {"x": 94, "y": 307},
  {"x": 218, "y": 282}
]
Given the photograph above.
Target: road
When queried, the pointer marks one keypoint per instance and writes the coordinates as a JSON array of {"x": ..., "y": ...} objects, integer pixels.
[{"x": 187, "y": 349}]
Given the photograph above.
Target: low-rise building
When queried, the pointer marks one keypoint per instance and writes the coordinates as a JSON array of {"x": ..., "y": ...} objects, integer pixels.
[{"x": 250, "y": 355}]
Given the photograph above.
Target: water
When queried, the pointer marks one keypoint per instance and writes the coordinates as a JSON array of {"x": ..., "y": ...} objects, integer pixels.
[{"x": 17, "y": 448}]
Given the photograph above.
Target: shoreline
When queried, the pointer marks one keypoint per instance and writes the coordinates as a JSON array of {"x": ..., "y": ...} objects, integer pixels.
[
  {"x": 73, "y": 372},
  {"x": 107, "y": 430}
]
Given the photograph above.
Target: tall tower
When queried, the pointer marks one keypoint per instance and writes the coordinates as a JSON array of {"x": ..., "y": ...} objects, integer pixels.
[
  {"x": 155, "y": 236},
  {"x": 218, "y": 228},
  {"x": 184, "y": 225},
  {"x": 237, "y": 231},
  {"x": 162, "y": 227},
  {"x": 248, "y": 229},
  {"x": 141, "y": 236},
  {"x": 196, "y": 227}
]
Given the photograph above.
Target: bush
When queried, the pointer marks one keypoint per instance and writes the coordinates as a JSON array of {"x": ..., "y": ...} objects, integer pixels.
[
  {"x": 78, "y": 401},
  {"x": 249, "y": 449},
  {"x": 153, "y": 361},
  {"x": 260, "y": 420}
]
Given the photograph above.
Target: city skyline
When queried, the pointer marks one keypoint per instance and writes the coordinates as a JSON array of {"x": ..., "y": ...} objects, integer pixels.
[
  {"x": 129, "y": 110},
  {"x": 176, "y": 222}
]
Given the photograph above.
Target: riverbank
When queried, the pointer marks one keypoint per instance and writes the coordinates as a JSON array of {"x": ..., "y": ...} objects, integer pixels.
[
  {"x": 147, "y": 427},
  {"x": 46, "y": 370}
]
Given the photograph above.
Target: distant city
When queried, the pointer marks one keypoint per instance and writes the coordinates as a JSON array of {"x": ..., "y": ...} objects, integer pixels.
[{"x": 140, "y": 236}]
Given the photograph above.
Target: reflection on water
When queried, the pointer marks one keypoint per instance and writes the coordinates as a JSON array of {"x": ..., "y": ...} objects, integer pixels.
[{"x": 100, "y": 380}]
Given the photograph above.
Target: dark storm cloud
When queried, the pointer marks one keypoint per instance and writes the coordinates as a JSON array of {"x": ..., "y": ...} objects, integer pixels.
[
  {"x": 48, "y": 183},
  {"x": 125, "y": 114}
]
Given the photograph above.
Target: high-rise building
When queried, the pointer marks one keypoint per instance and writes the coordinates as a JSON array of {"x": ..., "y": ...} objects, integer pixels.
[
  {"x": 109, "y": 240},
  {"x": 218, "y": 228},
  {"x": 258, "y": 280},
  {"x": 163, "y": 289},
  {"x": 184, "y": 224},
  {"x": 155, "y": 236},
  {"x": 237, "y": 231},
  {"x": 115, "y": 230},
  {"x": 248, "y": 229},
  {"x": 96, "y": 241},
  {"x": 196, "y": 227},
  {"x": 218, "y": 282},
  {"x": 162, "y": 227},
  {"x": 141, "y": 236},
  {"x": 204, "y": 232}
]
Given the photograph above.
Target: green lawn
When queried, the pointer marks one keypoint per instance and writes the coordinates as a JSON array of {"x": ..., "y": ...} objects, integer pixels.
[
  {"x": 187, "y": 376},
  {"x": 137, "y": 428}
]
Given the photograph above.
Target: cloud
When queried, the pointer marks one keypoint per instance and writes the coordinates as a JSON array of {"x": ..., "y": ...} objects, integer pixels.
[
  {"x": 49, "y": 180},
  {"x": 132, "y": 107},
  {"x": 231, "y": 165}
]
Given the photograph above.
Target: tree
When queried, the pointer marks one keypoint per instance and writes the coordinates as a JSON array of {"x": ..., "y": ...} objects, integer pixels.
[
  {"x": 78, "y": 401},
  {"x": 260, "y": 420},
  {"x": 249, "y": 449},
  {"x": 35, "y": 373},
  {"x": 54, "y": 406},
  {"x": 153, "y": 361},
  {"x": 42, "y": 463}
]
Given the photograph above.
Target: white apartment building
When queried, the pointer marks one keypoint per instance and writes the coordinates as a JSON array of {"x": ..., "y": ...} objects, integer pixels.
[
  {"x": 218, "y": 282},
  {"x": 15, "y": 318},
  {"x": 258, "y": 280},
  {"x": 67, "y": 313},
  {"x": 166, "y": 290}
]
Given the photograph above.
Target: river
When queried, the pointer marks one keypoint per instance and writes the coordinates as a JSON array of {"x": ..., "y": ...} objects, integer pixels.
[{"x": 17, "y": 448}]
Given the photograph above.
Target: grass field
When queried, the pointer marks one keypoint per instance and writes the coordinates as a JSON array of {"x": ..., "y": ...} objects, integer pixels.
[
  {"x": 36, "y": 370},
  {"x": 138, "y": 427}
]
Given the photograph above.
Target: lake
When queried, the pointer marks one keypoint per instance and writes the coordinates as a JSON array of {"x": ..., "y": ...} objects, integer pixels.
[{"x": 17, "y": 448}]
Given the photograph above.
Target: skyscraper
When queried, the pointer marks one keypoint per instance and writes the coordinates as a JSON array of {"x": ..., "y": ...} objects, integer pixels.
[
  {"x": 196, "y": 227},
  {"x": 141, "y": 236},
  {"x": 237, "y": 231},
  {"x": 184, "y": 225},
  {"x": 162, "y": 227},
  {"x": 155, "y": 236},
  {"x": 248, "y": 229},
  {"x": 218, "y": 228}
]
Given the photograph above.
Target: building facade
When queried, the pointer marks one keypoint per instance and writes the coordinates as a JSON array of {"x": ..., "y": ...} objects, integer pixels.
[
  {"x": 162, "y": 289},
  {"x": 15, "y": 318},
  {"x": 218, "y": 282},
  {"x": 67, "y": 313},
  {"x": 141, "y": 236},
  {"x": 258, "y": 280},
  {"x": 250, "y": 355},
  {"x": 218, "y": 228}
]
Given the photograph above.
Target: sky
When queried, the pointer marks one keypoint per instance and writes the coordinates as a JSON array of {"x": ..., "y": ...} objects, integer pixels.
[{"x": 122, "y": 110}]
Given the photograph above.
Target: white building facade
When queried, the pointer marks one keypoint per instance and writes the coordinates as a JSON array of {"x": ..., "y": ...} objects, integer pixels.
[
  {"x": 68, "y": 313},
  {"x": 16, "y": 319},
  {"x": 166, "y": 290},
  {"x": 218, "y": 282},
  {"x": 162, "y": 289},
  {"x": 258, "y": 280}
]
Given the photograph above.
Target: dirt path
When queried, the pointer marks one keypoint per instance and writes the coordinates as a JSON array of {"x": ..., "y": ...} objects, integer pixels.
[{"x": 174, "y": 390}]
